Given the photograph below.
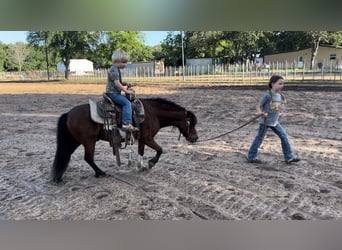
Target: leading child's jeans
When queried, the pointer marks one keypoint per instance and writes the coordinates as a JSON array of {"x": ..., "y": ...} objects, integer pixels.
[
  {"x": 126, "y": 107},
  {"x": 278, "y": 129}
]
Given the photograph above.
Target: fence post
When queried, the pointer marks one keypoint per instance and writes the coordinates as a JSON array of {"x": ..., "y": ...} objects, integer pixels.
[{"x": 285, "y": 68}]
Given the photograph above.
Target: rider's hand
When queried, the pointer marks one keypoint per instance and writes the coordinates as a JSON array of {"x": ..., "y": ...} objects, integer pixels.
[
  {"x": 130, "y": 91},
  {"x": 263, "y": 114},
  {"x": 129, "y": 84}
]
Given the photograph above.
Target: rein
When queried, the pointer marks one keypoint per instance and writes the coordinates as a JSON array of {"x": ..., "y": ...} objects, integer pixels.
[{"x": 233, "y": 130}]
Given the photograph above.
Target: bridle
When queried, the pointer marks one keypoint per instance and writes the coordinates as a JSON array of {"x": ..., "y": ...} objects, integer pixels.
[{"x": 187, "y": 129}]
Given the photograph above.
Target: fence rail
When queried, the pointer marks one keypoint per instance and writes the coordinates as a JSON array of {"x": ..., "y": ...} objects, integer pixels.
[{"x": 201, "y": 73}]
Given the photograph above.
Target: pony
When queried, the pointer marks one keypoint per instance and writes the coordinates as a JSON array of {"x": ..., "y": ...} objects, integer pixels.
[{"x": 76, "y": 128}]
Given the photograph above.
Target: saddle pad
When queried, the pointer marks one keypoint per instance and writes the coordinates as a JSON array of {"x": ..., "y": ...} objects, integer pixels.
[{"x": 93, "y": 112}]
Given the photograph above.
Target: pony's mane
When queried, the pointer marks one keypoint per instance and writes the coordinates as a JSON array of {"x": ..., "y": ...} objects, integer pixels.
[
  {"x": 162, "y": 101},
  {"x": 173, "y": 105}
]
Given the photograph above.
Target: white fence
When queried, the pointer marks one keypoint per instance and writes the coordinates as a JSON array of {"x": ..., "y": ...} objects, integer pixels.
[{"x": 246, "y": 73}]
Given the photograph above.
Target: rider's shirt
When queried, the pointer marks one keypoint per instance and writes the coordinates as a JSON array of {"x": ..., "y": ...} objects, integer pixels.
[{"x": 113, "y": 74}]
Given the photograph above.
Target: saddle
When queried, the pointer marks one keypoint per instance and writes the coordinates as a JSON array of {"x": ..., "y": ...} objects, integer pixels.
[{"x": 105, "y": 111}]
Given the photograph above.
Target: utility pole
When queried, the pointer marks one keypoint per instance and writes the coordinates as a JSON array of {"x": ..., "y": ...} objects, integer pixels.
[
  {"x": 183, "y": 71},
  {"x": 46, "y": 34}
]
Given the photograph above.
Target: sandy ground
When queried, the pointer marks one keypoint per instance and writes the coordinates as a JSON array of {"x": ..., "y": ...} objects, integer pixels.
[{"x": 207, "y": 180}]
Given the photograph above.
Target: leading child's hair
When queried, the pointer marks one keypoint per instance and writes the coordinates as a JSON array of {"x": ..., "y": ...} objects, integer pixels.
[{"x": 274, "y": 79}]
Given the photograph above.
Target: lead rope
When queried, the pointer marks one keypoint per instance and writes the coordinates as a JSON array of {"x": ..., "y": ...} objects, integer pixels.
[{"x": 233, "y": 130}]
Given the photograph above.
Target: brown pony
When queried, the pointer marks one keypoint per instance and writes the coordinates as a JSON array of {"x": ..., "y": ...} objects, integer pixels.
[{"x": 76, "y": 127}]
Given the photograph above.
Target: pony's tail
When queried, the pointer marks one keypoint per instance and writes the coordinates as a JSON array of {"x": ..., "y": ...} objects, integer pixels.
[{"x": 66, "y": 145}]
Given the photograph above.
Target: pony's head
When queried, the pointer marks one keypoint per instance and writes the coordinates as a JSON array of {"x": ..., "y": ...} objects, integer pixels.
[
  {"x": 188, "y": 127},
  {"x": 172, "y": 114}
]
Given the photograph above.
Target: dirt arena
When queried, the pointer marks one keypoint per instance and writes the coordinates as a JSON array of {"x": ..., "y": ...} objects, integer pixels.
[{"x": 207, "y": 180}]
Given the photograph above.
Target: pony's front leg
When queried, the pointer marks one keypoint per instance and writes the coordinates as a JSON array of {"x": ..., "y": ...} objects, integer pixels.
[
  {"x": 152, "y": 144},
  {"x": 155, "y": 159},
  {"x": 140, "y": 164}
]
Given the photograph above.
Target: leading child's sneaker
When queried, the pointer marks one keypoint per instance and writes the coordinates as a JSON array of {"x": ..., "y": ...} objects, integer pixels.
[
  {"x": 257, "y": 161},
  {"x": 295, "y": 159}
]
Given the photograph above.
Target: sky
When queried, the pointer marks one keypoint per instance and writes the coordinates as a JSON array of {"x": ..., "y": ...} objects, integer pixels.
[{"x": 152, "y": 37}]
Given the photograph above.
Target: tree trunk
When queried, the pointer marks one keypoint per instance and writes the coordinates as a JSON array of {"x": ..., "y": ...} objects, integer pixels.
[
  {"x": 67, "y": 70},
  {"x": 47, "y": 61},
  {"x": 213, "y": 56},
  {"x": 314, "y": 50}
]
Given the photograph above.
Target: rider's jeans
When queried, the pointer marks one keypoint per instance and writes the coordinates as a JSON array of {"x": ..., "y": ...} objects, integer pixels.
[
  {"x": 278, "y": 130},
  {"x": 126, "y": 107}
]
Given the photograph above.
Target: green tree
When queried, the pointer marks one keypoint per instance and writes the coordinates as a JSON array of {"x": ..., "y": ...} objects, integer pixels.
[
  {"x": 157, "y": 52},
  {"x": 243, "y": 45},
  {"x": 316, "y": 38},
  {"x": 71, "y": 44},
  {"x": 335, "y": 38},
  {"x": 38, "y": 39},
  {"x": 267, "y": 43},
  {"x": 36, "y": 57},
  {"x": 212, "y": 41},
  {"x": 9, "y": 64},
  {"x": 130, "y": 41},
  {"x": 2, "y": 56},
  {"x": 18, "y": 53},
  {"x": 286, "y": 41},
  {"x": 142, "y": 53},
  {"x": 172, "y": 49}
]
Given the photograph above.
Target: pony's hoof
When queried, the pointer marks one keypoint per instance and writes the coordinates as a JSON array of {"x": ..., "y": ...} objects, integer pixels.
[
  {"x": 139, "y": 165},
  {"x": 150, "y": 164},
  {"x": 56, "y": 180},
  {"x": 143, "y": 169},
  {"x": 102, "y": 174},
  {"x": 130, "y": 164}
]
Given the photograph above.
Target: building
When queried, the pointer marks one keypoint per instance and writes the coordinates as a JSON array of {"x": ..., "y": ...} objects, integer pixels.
[
  {"x": 77, "y": 66},
  {"x": 327, "y": 57},
  {"x": 199, "y": 61},
  {"x": 199, "y": 65},
  {"x": 145, "y": 68}
]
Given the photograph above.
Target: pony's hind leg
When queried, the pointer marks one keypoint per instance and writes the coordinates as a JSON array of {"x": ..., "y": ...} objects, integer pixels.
[
  {"x": 89, "y": 158},
  {"x": 61, "y": 161}
]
